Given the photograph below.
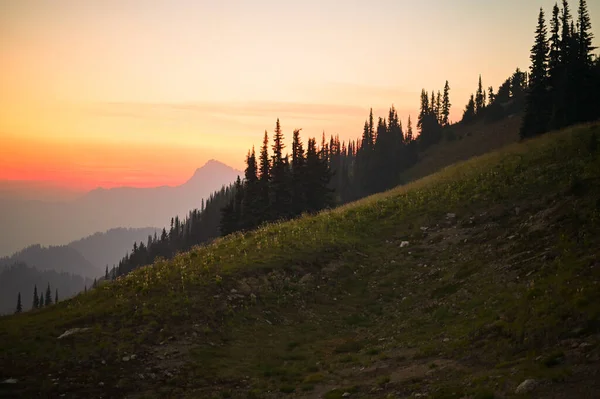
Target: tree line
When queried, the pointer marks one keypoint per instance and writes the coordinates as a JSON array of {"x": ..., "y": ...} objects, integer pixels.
[
  {"x": 564, "y": 79},
  {"x": 555, "y": 93},
  {"x": 277, "y": 186},
  {"x": 39, "y": 301}
]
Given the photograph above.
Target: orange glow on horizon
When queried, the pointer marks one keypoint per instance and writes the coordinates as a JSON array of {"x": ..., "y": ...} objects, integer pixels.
[{"x": 141, "y": 94}]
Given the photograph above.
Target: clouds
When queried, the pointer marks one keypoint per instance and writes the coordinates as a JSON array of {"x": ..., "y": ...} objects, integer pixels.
[{"x": 261, "y": 109}]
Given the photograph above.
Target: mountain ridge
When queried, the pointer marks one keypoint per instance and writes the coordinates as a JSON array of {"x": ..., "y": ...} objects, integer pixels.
[{"x": 100, "y": 210}]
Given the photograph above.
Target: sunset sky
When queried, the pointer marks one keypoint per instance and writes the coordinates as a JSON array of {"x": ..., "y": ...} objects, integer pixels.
[{"x": 141, "y": 93}]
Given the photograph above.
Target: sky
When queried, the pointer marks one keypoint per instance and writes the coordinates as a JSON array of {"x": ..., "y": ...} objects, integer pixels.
[{"x": 141, "y": 93}]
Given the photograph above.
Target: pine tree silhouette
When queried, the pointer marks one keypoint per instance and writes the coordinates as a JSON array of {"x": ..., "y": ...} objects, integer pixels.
[
  {"x": 479, "y": 100},
  {"x": 48, "y": 300},
  {"x": 19, "y": 305},
  {"x": 36, "y": 300},
  {"x": 469, "y": 113},
  {"x": 537, "y": 114},
  {"x": 446, "y": 105}
]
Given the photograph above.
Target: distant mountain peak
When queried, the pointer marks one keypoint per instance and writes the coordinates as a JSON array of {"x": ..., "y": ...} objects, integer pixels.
[{"x": 213, "y": 168}]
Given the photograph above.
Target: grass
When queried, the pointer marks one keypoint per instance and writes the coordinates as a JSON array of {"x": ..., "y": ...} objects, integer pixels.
[{"x": 463, "y": 310}]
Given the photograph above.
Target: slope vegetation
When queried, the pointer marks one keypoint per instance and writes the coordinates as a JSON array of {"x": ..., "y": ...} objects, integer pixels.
[
  {"x": 462, "y": 284},
  {"x": 463, "y": 141}
]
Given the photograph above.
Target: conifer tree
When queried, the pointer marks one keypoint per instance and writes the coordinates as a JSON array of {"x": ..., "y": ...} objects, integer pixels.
[
  {"x": 554, "y": 47},
  {"x": 250, "y": 203},
  {"x": 366, "y": 141},
  {"x": 424, "y": 110},
  {"x": 371, "y": 136},
  {"x": 438, "y": 107},
  {"x": 409, "y": 131},
  {"x": 479, "y": 101},
  {"x": 106, "y": 271},
  {"x": 317, "y": 179},
  {"x": 264, "y": 179},
  {"x": 469, "y": 113},
  {"x": 565, "y": 37},
  {"x": 36, "y": 300},
  {"x": 298, "y": 175},
  {"x": 280, "y": 201},
  {"x": 56, "y": 296},
  {"x": 584, "y": 35},
  {"x": 41, "y": 300},
  {"x": 48, "y": 300},
  {"x": 19, "y": 305},
  {"x": 446, "y": 105},
  {"x": 94, "y": 284},
  {"x": 491, "y": 96},
  {"x": 537, "y": 114}
]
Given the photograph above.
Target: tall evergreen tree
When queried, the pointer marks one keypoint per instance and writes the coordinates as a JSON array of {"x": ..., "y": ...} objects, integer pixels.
[
  {"x": 56, "y": 296},
  {"x": 36, "y": 300},
  {"x": 584, "y": 35},
  {"x": 537, "y": 114},
  {"x": 554, "y": 46},
  {"x": 424, "y": 110},
  {"x": 250, "y": 205},
  {"x": 264, "y": 179},
  {"x": 446, "y": 105},
  {"x": 479, "y": 101},
  {"x": 491, "y": 96},
  {"x": 317, "y": 179},
  {"x": 48, "y": 300},
  {"x": 371, "y": 136},
  {"x": 41, "y": 300},
  {"x": 19, "y": 305},
  {"x": 280, "y": 201},
  {"x": 106, "y": 271},
  {"x": 298, "y": 175},
  {"x": 438, "y": 107},
  {"x": 409, "y": 131},
  {"x": 469, "y": 113}
]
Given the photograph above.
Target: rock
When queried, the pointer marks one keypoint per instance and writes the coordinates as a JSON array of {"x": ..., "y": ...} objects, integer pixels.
[
  {"x": 346, "y": 395},
  {"x": 423, "y": 228},
  {"x": 446, "y": 339},
  {"x": 307, "y": 278},
  {"x": 404, "y": 244},
  {"x": 450, "y": 215},
  {"x": 10, "y": 381},
  {"x": 126, "y": 358},
  {"x": 73, "y": 331},
  {"x": 100, "y": 384},
  {"x": 233, "y": 291},
  {"x": 133, "y": 357},
  {"x": 526, "y": 386}
]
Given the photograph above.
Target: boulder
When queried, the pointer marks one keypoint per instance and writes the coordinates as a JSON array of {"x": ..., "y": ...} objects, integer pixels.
[
  {"x": 526, "y": 386},
  {"x": 73, "y": 331}
]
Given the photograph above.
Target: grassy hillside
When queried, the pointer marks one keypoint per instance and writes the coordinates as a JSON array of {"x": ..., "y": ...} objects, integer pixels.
[
  {"x": 464, "y": 141},
  {"x": 461, "y": 284}
]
